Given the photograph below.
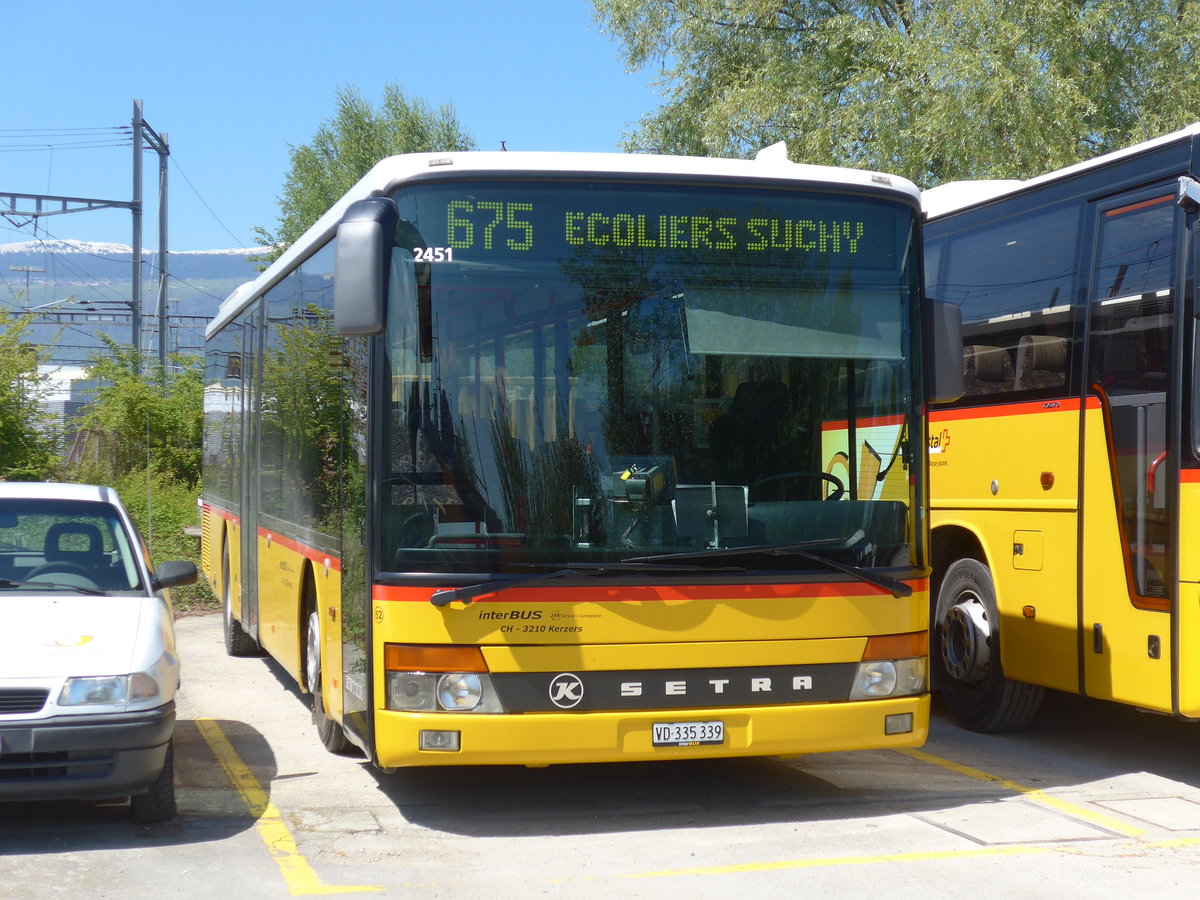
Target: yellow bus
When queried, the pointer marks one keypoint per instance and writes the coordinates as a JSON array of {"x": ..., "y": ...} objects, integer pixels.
[
  {"x": 530, "y": 459},
  {"x": 1066, "y": 481}
]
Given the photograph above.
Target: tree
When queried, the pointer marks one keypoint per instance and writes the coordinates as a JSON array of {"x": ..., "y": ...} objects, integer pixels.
[
  {"x": 347, "y": 146},
  {"x": 936, "y": 90},
  {"x": 148, "y": 419},
  {"x": 27, "y": 446}
]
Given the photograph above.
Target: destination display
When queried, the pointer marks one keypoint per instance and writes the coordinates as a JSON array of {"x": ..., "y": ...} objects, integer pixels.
[{"x": 517, "y": 219}]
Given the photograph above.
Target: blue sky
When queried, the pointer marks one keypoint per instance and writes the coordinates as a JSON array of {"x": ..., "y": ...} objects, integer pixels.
[{"x": 234, "y": 84}]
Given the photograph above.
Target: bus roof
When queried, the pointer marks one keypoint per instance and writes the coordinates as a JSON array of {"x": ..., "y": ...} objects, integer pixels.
[
  {"x": 770, "y": 164},
  {"x": 954, "y": 196}
]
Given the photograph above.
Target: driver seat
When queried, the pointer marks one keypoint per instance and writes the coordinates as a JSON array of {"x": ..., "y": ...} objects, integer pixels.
[
  {"x": 83, "y": 545},
  {"x": 748, "y": 442}
]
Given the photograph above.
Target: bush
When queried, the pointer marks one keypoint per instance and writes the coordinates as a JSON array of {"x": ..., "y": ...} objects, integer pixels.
[{"x": 161, "y": 508}]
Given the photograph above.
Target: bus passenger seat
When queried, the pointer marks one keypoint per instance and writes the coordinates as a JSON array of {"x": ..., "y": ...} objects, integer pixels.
[
  {"x": 1041, "y": 362},
  {"x": 986, "y": 370}
]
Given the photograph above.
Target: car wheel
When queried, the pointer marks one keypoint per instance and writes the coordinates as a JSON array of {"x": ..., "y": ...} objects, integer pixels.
[
  {"x": 328, "y": 730},
  {"x": 158, "y": 803}
]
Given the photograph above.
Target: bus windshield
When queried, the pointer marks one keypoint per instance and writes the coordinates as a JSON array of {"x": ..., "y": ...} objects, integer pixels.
[{"x": 594, "y": 371}]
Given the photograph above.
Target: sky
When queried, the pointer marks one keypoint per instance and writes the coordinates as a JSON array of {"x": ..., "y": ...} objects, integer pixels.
[{"x": 233, "y": 84}]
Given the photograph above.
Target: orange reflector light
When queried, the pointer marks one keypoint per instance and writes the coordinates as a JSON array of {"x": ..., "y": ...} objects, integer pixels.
[
  {"x": 432, "y": 658},
  {"x": 1047, "y": 480},
  {"x": 897, "y": 646},
  {"x": 1029, "y": 612}
]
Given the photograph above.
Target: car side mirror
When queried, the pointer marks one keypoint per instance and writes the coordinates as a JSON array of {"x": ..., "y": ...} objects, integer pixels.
[{"x": 173, "y": 574}]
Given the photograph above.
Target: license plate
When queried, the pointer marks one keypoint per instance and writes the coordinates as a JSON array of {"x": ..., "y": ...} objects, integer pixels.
[{"x": 688, "y": 734}]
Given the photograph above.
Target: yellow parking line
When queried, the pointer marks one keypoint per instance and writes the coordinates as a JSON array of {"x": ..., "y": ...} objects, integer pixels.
[
  {"x": 1037, "y": 796},
  {"x": 741, "y": 868},
  {"x": 299, "y": 876}
]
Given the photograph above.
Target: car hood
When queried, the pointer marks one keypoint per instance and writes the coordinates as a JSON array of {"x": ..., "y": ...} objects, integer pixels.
[{"x": 60, "y": 636}]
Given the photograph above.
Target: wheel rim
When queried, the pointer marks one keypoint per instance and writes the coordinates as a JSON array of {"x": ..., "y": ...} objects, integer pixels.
[
  {"x": 965, "y": 632},
  {"x": 313, "y": 656}
]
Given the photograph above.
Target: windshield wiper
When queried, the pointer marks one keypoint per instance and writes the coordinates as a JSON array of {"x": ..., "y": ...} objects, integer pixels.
[
  {"x": 895, "y": 586},
  {"x": 646, "y": 564}
]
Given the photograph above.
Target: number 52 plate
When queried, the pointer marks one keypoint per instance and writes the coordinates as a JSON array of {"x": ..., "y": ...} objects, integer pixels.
[{"x": 686, "y": 734}]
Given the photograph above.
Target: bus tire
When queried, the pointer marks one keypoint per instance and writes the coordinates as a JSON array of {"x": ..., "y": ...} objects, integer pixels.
[
  {"x": 237, "y": 641},
  {"x": 328, "y": 730},
  {"x": 966, "y": 652}
]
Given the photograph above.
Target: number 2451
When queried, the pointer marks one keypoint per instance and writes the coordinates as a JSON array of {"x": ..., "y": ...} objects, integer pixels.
[{"x": 433, "y": 254}]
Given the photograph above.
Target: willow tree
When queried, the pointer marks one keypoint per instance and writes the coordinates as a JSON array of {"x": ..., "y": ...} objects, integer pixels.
[
  {"x": 27, "y": 446},
  {"x": 345, "y": 147},
  {"x": 935, "y": 90}
]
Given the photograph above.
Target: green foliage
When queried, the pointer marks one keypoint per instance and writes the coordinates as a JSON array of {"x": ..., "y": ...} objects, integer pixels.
[
  {"x": 936, "y": 90},
  {"x": 347, "y": 146},
  {"x": 27, "y": 447},
  {"x": 147, "y": 418},
  {"x": 161, "y": 507}
]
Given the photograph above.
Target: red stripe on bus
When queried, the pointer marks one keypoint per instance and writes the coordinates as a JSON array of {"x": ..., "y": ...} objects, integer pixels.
[
  {"x": 221, "y": 513},
  {"x": 317, "y": 556},
  {"x": 1190, "y": 476},
  {"x": 651, "y": 593},
  {"x": 874, "y": 421},
  {"x": 1068, "y": 404}
]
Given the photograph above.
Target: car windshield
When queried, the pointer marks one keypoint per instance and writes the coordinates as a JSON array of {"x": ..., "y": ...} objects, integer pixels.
[{"x": 65, "y": 546}]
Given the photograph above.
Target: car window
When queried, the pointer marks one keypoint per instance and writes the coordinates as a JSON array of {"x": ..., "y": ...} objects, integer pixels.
[{"x": 65, "y": 546}]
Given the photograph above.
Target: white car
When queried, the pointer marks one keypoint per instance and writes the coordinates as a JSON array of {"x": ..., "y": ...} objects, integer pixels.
[{"x": 88, "y": 670}]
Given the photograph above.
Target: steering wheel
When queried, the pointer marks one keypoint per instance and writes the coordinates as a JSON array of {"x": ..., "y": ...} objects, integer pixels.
[
  {"x": 62, "y": 567},
  {"x": 839, "y": 489}
]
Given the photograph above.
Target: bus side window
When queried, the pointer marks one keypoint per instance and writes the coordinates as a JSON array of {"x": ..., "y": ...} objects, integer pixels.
[{"x": 1014, "y": 278}]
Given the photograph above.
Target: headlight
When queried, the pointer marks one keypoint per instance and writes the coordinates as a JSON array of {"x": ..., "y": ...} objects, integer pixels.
[
  {"x": 459, "y": 692},
  {"x": 888, "y": 678},
  {"x": 441, "y": 692},
  {"x": 109, "y": 690}
]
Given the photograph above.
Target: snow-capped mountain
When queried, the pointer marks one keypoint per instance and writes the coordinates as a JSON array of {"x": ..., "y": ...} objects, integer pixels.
[{"x": 84, "y": 286}]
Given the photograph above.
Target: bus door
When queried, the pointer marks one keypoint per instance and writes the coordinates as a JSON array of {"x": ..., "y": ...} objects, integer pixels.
[
  {"x": 357, "y": 530},
  {"x": 1129, "y": 479},
  {"x": 252, "y": 407}
]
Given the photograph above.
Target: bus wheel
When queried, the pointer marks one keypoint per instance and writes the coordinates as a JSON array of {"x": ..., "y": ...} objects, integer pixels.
[
  {"x": 966, "y": 648},
  {"x": 237, "y": 642},
  {"x": 329, "y": 731}
]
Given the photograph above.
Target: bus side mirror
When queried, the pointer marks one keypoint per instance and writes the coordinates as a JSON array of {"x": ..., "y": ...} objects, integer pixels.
[
  {"x": 944, "y": 350},
  {"x": 361, "y": 264}
]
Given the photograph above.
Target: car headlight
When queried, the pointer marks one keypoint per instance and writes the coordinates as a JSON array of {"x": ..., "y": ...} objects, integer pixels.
[{"x": 108, "y": 690}]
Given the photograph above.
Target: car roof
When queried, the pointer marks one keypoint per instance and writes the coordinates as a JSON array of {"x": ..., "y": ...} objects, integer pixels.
[{"x": 52, "y": 490}]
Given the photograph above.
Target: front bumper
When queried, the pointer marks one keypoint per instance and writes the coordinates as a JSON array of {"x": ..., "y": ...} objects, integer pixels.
[
  {"x": 84, "y": 757},
  {"x": 601, "y": 737}
]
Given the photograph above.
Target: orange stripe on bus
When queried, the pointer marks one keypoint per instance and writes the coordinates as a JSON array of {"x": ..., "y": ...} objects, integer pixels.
[{"x": 1168, "y": 198}]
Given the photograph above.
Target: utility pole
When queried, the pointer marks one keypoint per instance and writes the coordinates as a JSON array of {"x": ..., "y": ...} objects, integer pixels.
[
  {"x": 143, "y": 132},
  {"x": 27, "y": 270},
  {"x": 35, "y": 206}
]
